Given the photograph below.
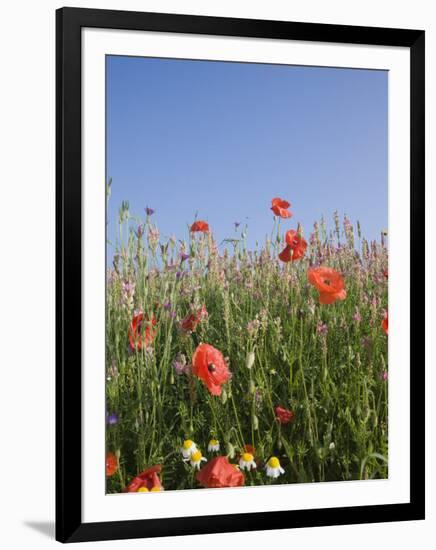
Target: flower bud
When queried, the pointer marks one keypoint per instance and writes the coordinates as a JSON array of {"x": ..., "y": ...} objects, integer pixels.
[
  {"x": 230, "y": 450},
  {"x": 223, "y": 396},
  {"x": 249, "y": 362}
]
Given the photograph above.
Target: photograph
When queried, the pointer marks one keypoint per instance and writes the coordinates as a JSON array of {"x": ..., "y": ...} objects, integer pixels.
[{"x": 247, "y": 274}]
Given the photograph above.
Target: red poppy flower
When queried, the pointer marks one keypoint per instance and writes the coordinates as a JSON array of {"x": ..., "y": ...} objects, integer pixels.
[
  {"x": 200, "y": 226},
  {"x": 138, "y": 335},
  {"x": 209, "y": 365},
  {"x": 279, "y": 207},
  {"x": 384, "y": 323},
  {"x": 220, "y": 473},
  {"x": 111, "y": 464},
  {"x": 295, "y": 247},
  {"x": 385, "y": 273},
  {"x": 284, "y": 416},
  {"x": 190, "y": 322},
  {"x": 328, "y": 282},
  {"x": 148, "y": 479}
]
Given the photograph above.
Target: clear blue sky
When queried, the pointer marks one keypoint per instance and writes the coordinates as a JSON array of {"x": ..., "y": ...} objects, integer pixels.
[{"x": 221, "y": 139}]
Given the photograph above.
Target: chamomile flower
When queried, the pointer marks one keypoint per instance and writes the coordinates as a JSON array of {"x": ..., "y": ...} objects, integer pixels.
[
  {"x": 246, "y": 462},
  {"x": 214, "y": 446},
  {"x": 196, "y": 459},
  {"x": 273, "y": 468},
  {"x": 143, "y": 490},
  {"x": 188, "y": 448}
]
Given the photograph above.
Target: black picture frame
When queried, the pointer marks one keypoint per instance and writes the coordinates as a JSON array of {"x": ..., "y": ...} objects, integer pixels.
[{"x": 69, "y": 22}]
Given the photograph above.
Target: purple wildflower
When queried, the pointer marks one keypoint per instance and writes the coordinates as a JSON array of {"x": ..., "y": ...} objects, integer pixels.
[
  {"x": 153, "y": 234},
  {"x": 149, "y": 211},
  {"x": 184, "y": 256},
  {"x": 253, "y": 326},
  {"x": 112, "y": 419},
  {"x": 384, "y": 375},
  {"x": 128, "y": 287},
  {"x": 127, "y": 293},
  {"x": 357, "y": 317},
  {"x": 321, "y": 328},
  {"x": 180, "y": 365}
]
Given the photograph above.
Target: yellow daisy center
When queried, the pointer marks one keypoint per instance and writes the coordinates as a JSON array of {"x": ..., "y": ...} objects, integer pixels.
[
  {"x": 247, "y": 457},
  {"x": 196, "y": 456},
  {"x": 143, "y": 490},
  {"x": 155, "y": 489},
  {"x": 273, "y": 462},
  {"x": 187, "y": 444},
  {"x": 213, "y": 442}
]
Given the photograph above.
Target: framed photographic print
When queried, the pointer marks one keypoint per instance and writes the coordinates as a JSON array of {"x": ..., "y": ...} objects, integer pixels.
[{"x": 240, "y": 260}]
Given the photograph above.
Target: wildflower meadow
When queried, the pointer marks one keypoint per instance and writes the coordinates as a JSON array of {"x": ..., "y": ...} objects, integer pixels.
[{"x": 227, "y": 366}]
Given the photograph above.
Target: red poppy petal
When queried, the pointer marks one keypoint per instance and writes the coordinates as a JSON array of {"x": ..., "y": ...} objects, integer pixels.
[
  {"x": 284, "y": 213},
  {"x": 220, "y": 473},
  {"x": 111, "y": 464},
  {"x": 286, "y": 254},
  {"x": 327, "y": 298}
]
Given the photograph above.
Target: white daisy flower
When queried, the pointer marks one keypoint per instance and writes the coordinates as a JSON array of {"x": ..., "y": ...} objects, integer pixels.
[
  {"x": 188, "y": 448},
  {"x": 196, "y": 459},
  {"x": 273, "y": 468},
  {"x": 214, "y": 446},
  {"x": 246, "y": 462}
]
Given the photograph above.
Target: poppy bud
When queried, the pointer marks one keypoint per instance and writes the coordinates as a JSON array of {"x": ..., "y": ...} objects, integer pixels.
[
  {"x": 250, "y": 360},
  {"x": 223, "y": 396},
  {"x": 230, "y": 450},
  {"x": 255, "y": 422},
  {"x": 252, "y": 387}
]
